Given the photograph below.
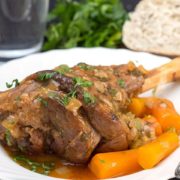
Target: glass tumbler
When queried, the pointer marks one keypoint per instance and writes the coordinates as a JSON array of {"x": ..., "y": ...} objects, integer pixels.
[{"x": 22, "y": 25}]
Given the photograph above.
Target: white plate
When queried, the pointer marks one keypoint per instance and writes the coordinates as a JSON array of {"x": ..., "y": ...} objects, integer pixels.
[{"x": 25, "y": 66}]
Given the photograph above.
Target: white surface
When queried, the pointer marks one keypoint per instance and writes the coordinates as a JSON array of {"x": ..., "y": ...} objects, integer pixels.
[
  {"x": 25, "y": 66},
  {"x": 19, "y": 53},
  {"x": 1, "y": 63}
]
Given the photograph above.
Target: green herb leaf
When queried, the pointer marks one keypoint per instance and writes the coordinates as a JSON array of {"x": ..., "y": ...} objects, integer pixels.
[
  {"x": 43, "y": 101},
  {"x": 44, "y": 167},
  {"x": 63, "y": 100},
  {"x": 85, "y": 66},
  {"x": 121, "y": 83},
  {"x": 81, "y": 82},
  {"x": 102, "y": 161},
  {"x": 63, "y": 69},
  {"x": 45, "y": 76},
  {"x": 66, "y": 99},
  {"x": 8, "y": 137},
  {"x": 113, "y": 92},
  {"x": 14, "y": 82},
  {"x": 88, "y": 98},
  {"x": 17, "y": 98}
]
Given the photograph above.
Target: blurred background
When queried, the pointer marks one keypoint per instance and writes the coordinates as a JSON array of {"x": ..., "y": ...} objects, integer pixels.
[
  {"x": 23, "y": 32},
  {"x": 128, "y": 4}
]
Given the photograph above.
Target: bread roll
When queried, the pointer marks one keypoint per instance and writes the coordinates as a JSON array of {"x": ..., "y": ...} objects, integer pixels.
[{"x": 154, "y": 27}]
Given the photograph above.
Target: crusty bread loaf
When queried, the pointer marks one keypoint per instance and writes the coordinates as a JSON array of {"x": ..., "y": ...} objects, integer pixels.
[{"x": 154, "y": 27}]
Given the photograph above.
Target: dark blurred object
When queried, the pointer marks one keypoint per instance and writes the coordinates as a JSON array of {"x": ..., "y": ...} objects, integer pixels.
[
  {"x": 128, "y": 4},
  {"x": 52, "y": 3}
]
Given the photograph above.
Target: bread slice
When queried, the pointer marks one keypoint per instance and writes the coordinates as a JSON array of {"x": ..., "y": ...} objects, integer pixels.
[{"x": 154, "y": 27}]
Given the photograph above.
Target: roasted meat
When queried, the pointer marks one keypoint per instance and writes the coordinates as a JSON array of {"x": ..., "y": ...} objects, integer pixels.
[{"x": 73, "y": 112}]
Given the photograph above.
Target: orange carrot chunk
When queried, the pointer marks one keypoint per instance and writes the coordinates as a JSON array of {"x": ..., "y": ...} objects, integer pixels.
[
  {"x": 107, "y": 165},
  {"x": 137, "y": 106},
  {"x": 152, "y": 153},
  {"x": 168, "y": 118}
]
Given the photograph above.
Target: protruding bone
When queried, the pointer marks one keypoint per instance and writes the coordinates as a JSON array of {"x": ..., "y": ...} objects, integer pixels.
[{"x": 164, "y": 74}]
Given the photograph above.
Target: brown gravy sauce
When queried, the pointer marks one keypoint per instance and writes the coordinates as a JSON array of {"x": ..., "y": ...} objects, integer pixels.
[{"x": 61, "y": 170}]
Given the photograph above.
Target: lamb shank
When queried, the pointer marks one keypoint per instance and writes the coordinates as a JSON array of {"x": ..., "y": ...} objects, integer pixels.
[{"x": 74, "y": 112}]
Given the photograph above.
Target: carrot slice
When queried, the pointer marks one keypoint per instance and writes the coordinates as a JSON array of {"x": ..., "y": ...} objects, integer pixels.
[
  {"x": 106, "y": 165},
  {"x": 152, "y": 153},
  {"x": 137, "y": 106},
  {"x": 143, "y": 106},
  {"x": 168, "y": 118},
  {"x": 152, "y": 103}
]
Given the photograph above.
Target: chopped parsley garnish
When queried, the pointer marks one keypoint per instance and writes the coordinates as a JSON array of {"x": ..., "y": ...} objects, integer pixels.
[
  {"x": 42, "y": 101},
  {"x": 44, "y": 167},
  {"x": 88, "y": 98},
  {"x": 102, "y": 161},
  {"x": 121, "y": 83},
  {"x": 15, "y": 82},
  {"x": 8, "y": 137},
  {"x": 63, "y": 69},
  {"x": 18, "y": 98},
  {"x": 85, "y": 66},
  {"x": 63, "y": 100},
  {"x": 44, "y": 76},
  {"x": 66, "y": 99},
  {"x": 81, "y": 82},
  {"x": 112, "y": 92}
]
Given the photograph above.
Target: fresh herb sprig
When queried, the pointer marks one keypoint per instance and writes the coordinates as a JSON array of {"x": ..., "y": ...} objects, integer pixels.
[
  {"x": 85, "y": 67},
  {"x": 121, "y": 83},
  {"x": 88, "y": 98},
  {"x": 63, "y": 100},
  {"x": 44, "y": 76},
  {"x": 44, "y": 167},
  {"x": 78, "y": 82},
  {"x": 14, "y": 83},
  {"x": 81, "y": 82},
  {"x": 63, "y": 69},
  {"x": 8, "y": 138},
  {"x": 85, "y": 24},
  {"x": 42, "y": 101}
]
